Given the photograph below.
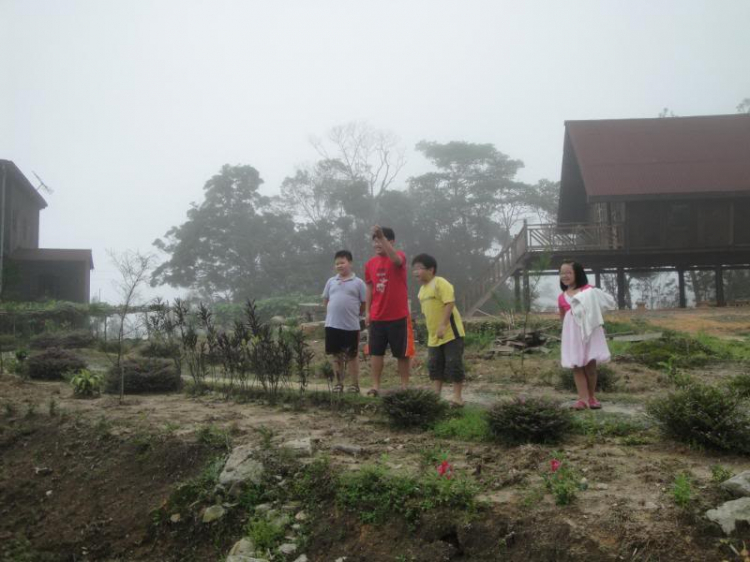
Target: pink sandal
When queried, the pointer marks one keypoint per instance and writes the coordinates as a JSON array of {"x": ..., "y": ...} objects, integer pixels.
[
  {"x": 594, "y": 404},
  {"x": 579, "y": 405}
]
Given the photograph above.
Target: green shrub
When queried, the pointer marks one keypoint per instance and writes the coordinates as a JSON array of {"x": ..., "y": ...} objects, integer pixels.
[
  {"x": 53, "y": 363},
  {"x": 705, "y": 415},
  {"x": 414, "y": 408},
  {"x": 535, "y": 420},
  {"x": 606, "y": 379},
  {"x": 740, "y": 385},
  {"x": 144, "y": 374},
  {"x": 161, "y": 349},
  {"x": 478, "y": 340},
  {"x": 86, "y": 384},
  {"x": 65, "y": 340}
]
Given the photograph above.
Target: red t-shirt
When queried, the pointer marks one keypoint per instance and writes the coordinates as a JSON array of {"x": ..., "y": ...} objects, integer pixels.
[{"x": 389, "y": 291}]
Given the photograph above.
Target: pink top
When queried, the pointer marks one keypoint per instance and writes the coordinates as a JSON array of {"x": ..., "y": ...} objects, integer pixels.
[{"x": 563, "y": 304}]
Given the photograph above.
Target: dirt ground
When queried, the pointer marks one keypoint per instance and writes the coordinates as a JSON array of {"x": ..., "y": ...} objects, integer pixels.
[{"x": 80, "y": 479}]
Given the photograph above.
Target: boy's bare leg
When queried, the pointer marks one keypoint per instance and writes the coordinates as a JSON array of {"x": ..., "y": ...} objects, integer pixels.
[
  {"x": 403, "y": 370},
  {"x": 376, "y": 369},
  {"x": 340, "y": 362},
  {"x": 353, "y": 369},
  {"x": 438, "y": 387},
  {"x": 457, "y": 390}
]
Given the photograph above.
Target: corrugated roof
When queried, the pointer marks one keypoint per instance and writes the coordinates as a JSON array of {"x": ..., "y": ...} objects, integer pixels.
[
  {"x": 52, "y": 254},
  {"x": 639, "y": 158},
  {"x": 15, "y": 174}
]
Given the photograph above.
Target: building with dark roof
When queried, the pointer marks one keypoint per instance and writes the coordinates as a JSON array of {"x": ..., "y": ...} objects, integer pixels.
[
  {"x": 666, "y": 194},
  {"x": 29, "y": 272}
]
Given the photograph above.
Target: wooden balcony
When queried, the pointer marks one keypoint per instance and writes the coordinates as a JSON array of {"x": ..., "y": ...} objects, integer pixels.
[{"x": 538, "y": 239}]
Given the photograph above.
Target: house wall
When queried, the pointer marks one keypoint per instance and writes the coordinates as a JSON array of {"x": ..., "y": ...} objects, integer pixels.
[
  {"x": 43, "y": 280},
  {"x": 21, "y": 222},
  {"x": 688, "y": 223}
]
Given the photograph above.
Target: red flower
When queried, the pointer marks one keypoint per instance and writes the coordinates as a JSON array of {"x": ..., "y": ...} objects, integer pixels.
[
  {"x": 554, "y": 465},
  {"x": 445, "y": 469}
]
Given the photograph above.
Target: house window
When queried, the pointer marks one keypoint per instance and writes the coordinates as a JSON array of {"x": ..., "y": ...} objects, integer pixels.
[{"x": 49, "y": 286}]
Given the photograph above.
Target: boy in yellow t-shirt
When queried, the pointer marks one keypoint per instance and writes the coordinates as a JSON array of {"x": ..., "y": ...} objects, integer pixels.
[{"x": 445, "y": 344}]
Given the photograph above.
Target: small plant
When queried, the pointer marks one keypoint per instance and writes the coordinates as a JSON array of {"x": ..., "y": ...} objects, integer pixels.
[
  {"x": 561, "y": 480},
  {"x": 414, "y": 408},
  {"x": 30, "y": 410},
  {"x": 682, "y": 490},
  {"x": 266, "y": 435},
  {"x": 705, "y": 415},
  {"x": 86, "y": 384},
  {"x": 535, "y": 420},
  {"x": 720, "y": 473}
]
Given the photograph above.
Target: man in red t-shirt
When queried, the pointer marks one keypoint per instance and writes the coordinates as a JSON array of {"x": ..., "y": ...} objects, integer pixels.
[{"x": 387, "y": 306}]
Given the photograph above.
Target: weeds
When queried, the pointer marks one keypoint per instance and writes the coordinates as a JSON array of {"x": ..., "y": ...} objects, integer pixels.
[
  {"x": 52, "y": 408},
  {"x": 602, "y": 425},
  {"x": 86, "y": 384},
  {"x": 682, "y": 490},
  {"x": 30, "y": 410},
  {"x": 214, "y": 437},
  {"x": 720, "y": 474},
  {"x": 10, "y": 410},
  {"x": 266, "y": 535}
]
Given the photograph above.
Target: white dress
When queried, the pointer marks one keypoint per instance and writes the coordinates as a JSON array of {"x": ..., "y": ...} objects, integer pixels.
[{"x": 576, "y": 353}]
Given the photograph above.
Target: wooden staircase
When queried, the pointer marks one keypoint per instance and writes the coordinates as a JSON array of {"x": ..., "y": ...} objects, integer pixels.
[{"x": 502, "y": 267}]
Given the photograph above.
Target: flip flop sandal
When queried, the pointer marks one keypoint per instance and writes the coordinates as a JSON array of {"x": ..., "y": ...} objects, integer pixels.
[
  {"x": 595, "y": 405},
  {"x": 373, "y": 392},
  {"x": 579, "y": 405},
  {"x": 353, "y": 389},
  {"x": 339, "y": 388}
]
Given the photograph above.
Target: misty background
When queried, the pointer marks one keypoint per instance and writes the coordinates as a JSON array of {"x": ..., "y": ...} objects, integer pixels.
[{"x": 127, "y": 109}]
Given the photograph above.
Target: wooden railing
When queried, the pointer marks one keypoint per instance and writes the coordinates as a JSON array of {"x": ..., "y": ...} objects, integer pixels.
[{"x": 539, "y": 238}]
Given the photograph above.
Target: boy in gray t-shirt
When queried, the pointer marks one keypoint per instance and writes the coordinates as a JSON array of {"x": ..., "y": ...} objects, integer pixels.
[{"x": 344, "y": 297}]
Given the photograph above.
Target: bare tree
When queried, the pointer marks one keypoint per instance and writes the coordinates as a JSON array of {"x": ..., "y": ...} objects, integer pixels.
[
  {"x": 133, "y": 268},
  {"x": 366, "y": 153}
]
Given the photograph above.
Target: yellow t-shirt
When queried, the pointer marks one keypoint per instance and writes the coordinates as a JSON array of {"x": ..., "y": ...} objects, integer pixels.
[{"x": 433, "y": 297}]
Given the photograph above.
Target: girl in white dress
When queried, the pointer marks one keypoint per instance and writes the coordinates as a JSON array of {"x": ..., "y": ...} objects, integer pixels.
[{"x": 576, "y": 353}]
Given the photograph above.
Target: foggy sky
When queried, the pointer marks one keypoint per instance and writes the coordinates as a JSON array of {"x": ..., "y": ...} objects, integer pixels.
[{"x": 126, "y": 108}]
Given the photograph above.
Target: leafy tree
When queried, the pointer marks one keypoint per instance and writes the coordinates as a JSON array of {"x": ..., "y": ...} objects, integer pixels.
[
  {"x": 234, "y": 244},
  {"x": 466, "y": 209}
]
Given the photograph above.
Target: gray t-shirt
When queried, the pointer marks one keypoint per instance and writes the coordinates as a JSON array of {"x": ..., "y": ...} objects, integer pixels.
[{"x": 345, "y": 297}]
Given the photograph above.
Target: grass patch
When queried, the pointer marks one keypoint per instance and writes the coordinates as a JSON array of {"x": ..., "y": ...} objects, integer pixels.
[
  {"x": 678, "y": 350},
  {"x": 478, "y": 340},
  {"x": 601, "y": 425},
  {"x": 414, "y": 407},
  {"x": 468, "y": 424}
]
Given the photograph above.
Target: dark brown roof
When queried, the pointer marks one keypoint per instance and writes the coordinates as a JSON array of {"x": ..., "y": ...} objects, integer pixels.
[
  {"x": 15, "y": 175},
  {"x": 52, "y": 254},
  {"x": 638, "y": 158}
]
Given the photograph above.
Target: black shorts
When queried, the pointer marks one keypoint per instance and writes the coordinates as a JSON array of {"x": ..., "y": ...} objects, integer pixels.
[
  {"x": 389, "y": 332},
  {"x": 446, "y": 362},
  {"x": 342, "y": 341}
]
